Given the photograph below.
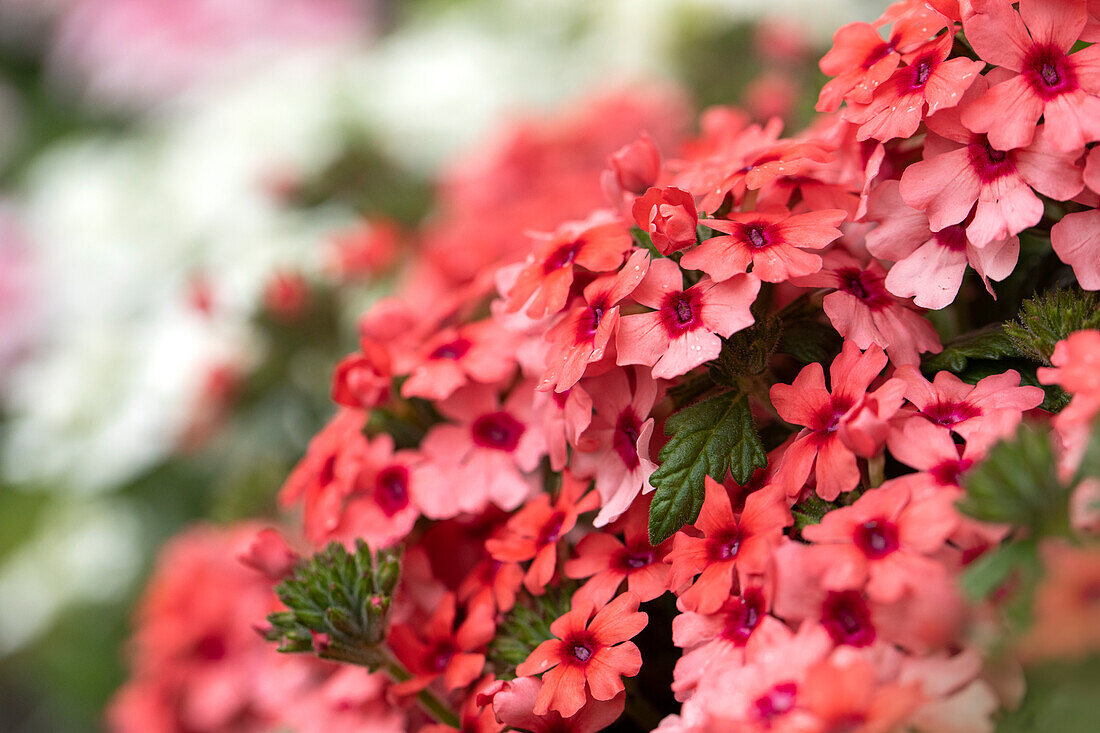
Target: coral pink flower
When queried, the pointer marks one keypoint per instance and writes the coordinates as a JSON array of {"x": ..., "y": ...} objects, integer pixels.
[
  {"x": 513, "y": 704},
  {"x": 565, "y": 416},
  {"x": 961, "y": 169},
  {"x": 862, "y": 310},
  {"x": 491, "y": 452},
  {"x": 1076, "y": 241},
  {"x": 607, "y": 561},
  {"x": 378, "y": 506},
  {"x": 966, "y": 409},
  {"x": 669, "y": 216},
  {"x": 437, "y": 648},
  {"x": 599, "y": 243},
  {"x": 591, "y": 651},
  {"x": 615, "y": 448},
  {"x": 492, "y": 583},
  {"x": 1067, "y": 605},
  {"x": 820, "y": 447},
  {"x": 633, "y": 168},
  {"x": 772, "y": 242},
  {"x": 925, "y": 618},
  {"x": 732, "y": 546},
  {"x": 1076, "y": 361},
  {"x": 929, "y": 80},
  {"x": 534, "y": 531},
  {"x": 479, "y": 352},
  {"x": 582, "y": 335},
  {"x": 860, "y": 60},
  {"x": 846, "y": 693},
  {"x": 1050, "y": 82},
  {"x": 884, "y": 540},
  {"x": 713, "y": 641},
  {"x": 929, "y": 266},
  {"x": 362, "y": 380},
  {"x": 683, "y": 331},
  {"x": 270, "y": 554}
]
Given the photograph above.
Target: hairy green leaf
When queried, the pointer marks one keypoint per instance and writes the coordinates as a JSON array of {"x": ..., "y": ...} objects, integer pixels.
[{"x": 708, "y": 438}]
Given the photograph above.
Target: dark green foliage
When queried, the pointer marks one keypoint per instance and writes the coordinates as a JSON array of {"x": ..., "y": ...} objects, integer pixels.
[
  {"x": 986, "y": 344},
  {"x": 1046, "y": 319},
  {"x": 809, "y": 341},
  {"x": 746, "y": 353},
  {"x": 1017, "y": 484},
  {"x": 708, "y": 438},
  {"x": 526, "y": 626},
  {"x": 344, "y": 595},
  {"x": 1061, "y": 696}
]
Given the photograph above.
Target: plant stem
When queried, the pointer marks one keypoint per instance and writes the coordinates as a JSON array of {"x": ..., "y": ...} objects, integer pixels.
[{"x": 431, "y": 704}]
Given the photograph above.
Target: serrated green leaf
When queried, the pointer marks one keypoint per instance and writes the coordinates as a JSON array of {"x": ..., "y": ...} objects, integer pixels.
[
  {"x": 709, "y": 438},
  {"x": 1046, "y": 319}
]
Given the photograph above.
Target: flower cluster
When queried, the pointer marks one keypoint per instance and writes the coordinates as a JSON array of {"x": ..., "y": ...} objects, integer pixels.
[{"x": 569, "y": 408}]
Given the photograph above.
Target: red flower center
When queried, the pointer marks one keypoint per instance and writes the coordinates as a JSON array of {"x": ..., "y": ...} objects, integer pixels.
[
  {"x": 680, "y": 313},
  {"x": 1047, "y": 71},
  {"x": 210, "y": 648},
  {"x": 989, "y": 163},
  {"x": 952, "y": 238},
  {"x": 441, "y": 657},
  {"x": 454, "y": 350},
  {"x": 847, "y": 618},
  {"x": 636, "y": 560},
  {"x": 625, "y": 438},
  {"x": 590, "y": 321},
  {"x": 497, "y": 430},
  {"x": 828, "y": 419},
  {"x": 758, "y": 238},
  {"x": 948, "y": 472},
  {"x": 726, "y": 545},
  {"x": 563, "y": 256},
  {"x": 919, "y": 73},
  {"x": 877, "y": 538},
  {"x": 950, "y": 413},
  {"x": 865, "y": 285},
  {"x": 579, "y": 648},
  {"x": 745, "y": 617},
  {"x": 779, "y": 701},
  {"x": 391, "y": 489},
  {"x": 552, "y": 529}
]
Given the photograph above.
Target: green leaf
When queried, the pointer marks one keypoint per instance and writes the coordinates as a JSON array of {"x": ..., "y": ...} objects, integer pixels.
[
  {"x": 1017, "y": 484},
  {"x": 709, "y": 438},
  {"x": 988, "y": 343},
  {"x": 809, "y": 341},
  {"x": 1046, "y": 319},
  {"x": 746, "y": 353},
  {"x": 642, "y": 240},
  {"x": 991, "y": 570}
]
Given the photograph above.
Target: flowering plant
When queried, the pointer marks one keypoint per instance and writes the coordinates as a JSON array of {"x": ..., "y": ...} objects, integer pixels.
[{"x": 587, "y": 465}]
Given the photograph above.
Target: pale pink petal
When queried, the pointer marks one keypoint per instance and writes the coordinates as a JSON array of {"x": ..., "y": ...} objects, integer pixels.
[{"x": 1076, "y": 241}]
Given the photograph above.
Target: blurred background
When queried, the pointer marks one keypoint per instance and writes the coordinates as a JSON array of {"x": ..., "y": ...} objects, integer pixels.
[{"x": 197, "y": 197}]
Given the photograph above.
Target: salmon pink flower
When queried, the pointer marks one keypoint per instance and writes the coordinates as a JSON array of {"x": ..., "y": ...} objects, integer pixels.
[
  {"x": 862, "y": 310},
  {"x": 615, "y": 449},
  {"x": 965, "y": 409},
  {"x": 438, "y": 649},
  {"x": 820, "y": 447},
  {"x": 928, "y": 80},
  {"x": 607, "y": 561},
  {"x": 668, "y": 215},
  {"x": 534, "y": 531},
  {"x": 846, "y": 693},
  {"x": 683, "y": 331},
  {"x": 732, "y": 546},
  {"x": 885, "y": 539},
  {"x": 1050, "y": 82},
  {"x": 362, "y": 380},
  {"x": 1076, "y": 361},
  {"x": 479, "y": 352},
  {"x": 488, "y": 454},
  {"x": 565, "y": 416},
  {"x": 633, "y": 168},
  {"x": 513, "y": 704},
  {"x": 1067, "y": 604},
  {"x": 860, "y": 60},
  {"x": 713, "y": 641},
  {"x": 773, "y": 243},
  {"x": 929, "y": 266},
  {"x": 590, "y": 651},
  {"x": 599, "y": 243},
  {"x": 270, "y": 554},
  {"x": 492, "y": 583},
  {"x": 582, "y": 335},
  {"x": 962, "y": 168},
  {"x": 1076, "y": 241}
]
